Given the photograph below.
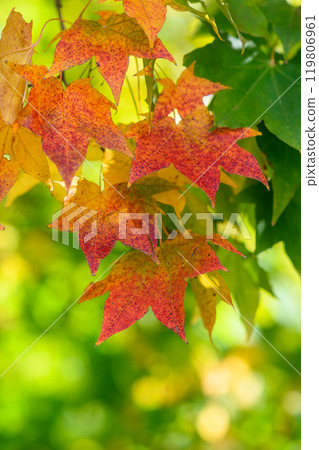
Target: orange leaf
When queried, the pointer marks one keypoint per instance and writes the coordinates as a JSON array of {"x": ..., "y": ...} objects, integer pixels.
[
  {"x": 186, "y": 95},
  {"x": 103, "y": 209},
  {"x": 66, "y": 119},
  {"x": 9, "y": 172},
  {"x": 150, "y": 15},
  {"x": 137, "y": 283},
  {"x": 111, "y": 40}
]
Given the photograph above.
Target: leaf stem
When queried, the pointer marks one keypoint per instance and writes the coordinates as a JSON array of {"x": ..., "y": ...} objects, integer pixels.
[
  {"x": 161, "y": 70},
  {"x": 83, "y": 10},
  {"x": 36, "y": 42},
  {"x": 133, "y": 98},
  {"x": 138, "y": 85},
  {"x": 58, "y": 7}
]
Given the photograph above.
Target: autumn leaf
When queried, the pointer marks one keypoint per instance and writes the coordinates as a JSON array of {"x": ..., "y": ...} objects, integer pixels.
[
  {"x": 23, "y": 184},
  {"x": 186, "y": 95},
  {"x": 111, "y": 40},
  {"x": 206, "y": 289},
  {"x": 147, "y": 71},
  {"x": 116, "y": 169},
  {"x": 16, "y": 35},
  {"x": 194, "y": 149},
  {"x": 20, "y": 149},
  {"x": 27, "y": 152},
  {"x": 150, "y": 15},
  {"x": 66, "y": 119},
  {"x": 8, "y": 174},
  {"x": 137, "y": 283},
  {"x": 244, "y": 104},
  {"x": 99, "y": 226},
  {"x": 206, "y": 300}
]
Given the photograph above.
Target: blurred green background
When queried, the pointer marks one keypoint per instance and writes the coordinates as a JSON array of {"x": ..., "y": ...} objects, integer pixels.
[{"x": 143, "y": 388}]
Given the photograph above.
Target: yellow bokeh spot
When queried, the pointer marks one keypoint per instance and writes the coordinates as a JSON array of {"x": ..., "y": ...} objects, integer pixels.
[
  {"x": 150, "y": 393},
  {"x": 248, "y": 391},
  {"x": 213, "y": 423}
]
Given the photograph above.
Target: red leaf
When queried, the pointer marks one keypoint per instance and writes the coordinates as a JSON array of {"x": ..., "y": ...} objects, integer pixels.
[
  {"x": 111, "y": 40},
  {"x": 66, "y": 119},
  {"x": 137, "y": 283},
  {"x": 103, "y": 209},
  {"x": 194, "y": 149},
  {"x": 186, "y": 95}
]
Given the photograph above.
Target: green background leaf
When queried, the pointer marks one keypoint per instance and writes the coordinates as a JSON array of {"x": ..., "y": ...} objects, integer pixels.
[
  {"x": 286, "y": 170},
  {"x": 257, "y": 82}
]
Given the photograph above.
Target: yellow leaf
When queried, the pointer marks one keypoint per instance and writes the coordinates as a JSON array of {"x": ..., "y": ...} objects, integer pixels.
[
  {"x": 27, "y": 152},
  {"x": 207, "y": 288},
  {"x": 116, "y": 167},
  {"x": 23, "y": 184},
  {"x": 206, "y": 300},
  {"x": 215, "y": 281},
  {"x": 16, "y": 35}
]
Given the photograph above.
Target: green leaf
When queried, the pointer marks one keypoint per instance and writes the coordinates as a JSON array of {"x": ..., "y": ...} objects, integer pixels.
[
  {"x": 244, "y": 280},
  {"x": 223, "y": 6},
  {"x": 287, "y": 228},
  {"x": 248, "y": 17},
  {"x": 261, "y": 89},
  {"x": 286, "y": 170},
  {"x": 251, "y": 146},
  {"x": 286, "y": 22}
]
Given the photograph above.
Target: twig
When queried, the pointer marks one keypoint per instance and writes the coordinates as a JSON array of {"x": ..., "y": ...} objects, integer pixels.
[{"x": 58, "y": 7}]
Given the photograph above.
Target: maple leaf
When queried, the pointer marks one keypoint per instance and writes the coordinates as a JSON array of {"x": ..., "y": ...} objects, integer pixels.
[
  {"x": 8, "y": 175},
  {"x": 111, "y": 40},
  {"x": 66, "y": 119},
  {"x": 206, "y": 289},
  {"x": 23, "y": 184},
  {"x": 103, "y": 209},
  {"x": 150, "y": 15},
  {"x": 194, "y": 149},
  {"x": 137, "y": 283},
  {"x": 16, "y": 35},
  {"x": 186, "y": 95},
  {"x": 116, "y": 169},
  {"x": 20, "y": 149}
]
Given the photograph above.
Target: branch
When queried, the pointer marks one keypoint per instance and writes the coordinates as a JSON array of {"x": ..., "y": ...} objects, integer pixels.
[{"x": 58, "y": 5}]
